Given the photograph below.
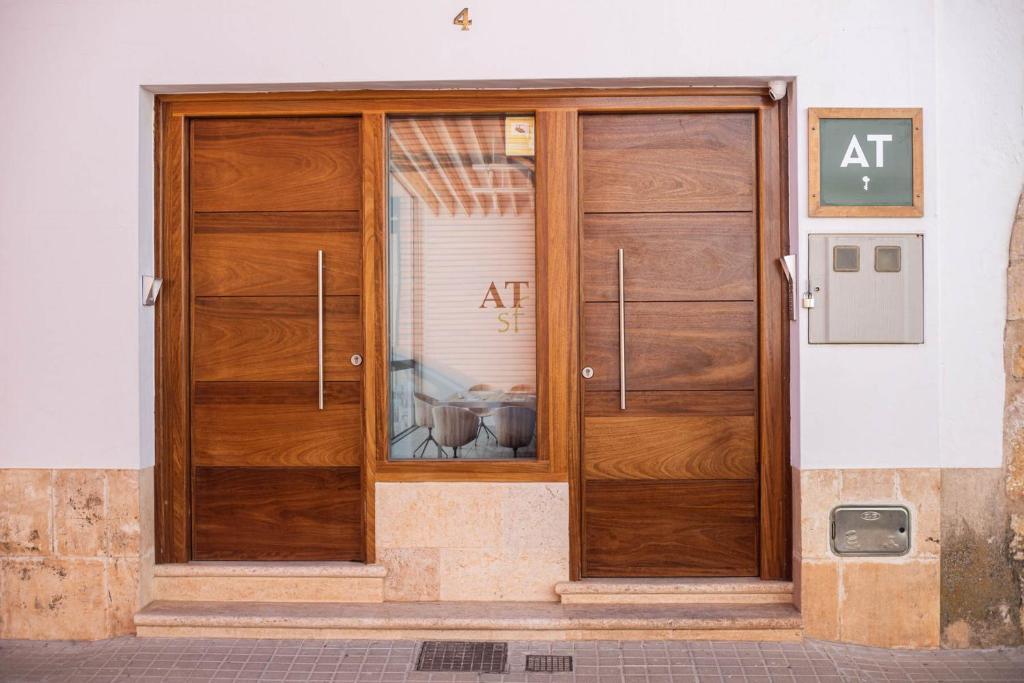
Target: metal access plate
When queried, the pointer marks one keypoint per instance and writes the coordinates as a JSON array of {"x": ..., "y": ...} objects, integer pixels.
[
  {"x": 870, "y": 530},
  {"x": 476, "y": 657},
  {"x": 549, "y": 663}
]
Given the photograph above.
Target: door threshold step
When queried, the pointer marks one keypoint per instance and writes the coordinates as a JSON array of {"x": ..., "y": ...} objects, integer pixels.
[
  {"x": 675, "y": 591},
  {"x": 275, "y": 569},
  {"x": 469, "y": 621},
  {"x": 270, "y": 582}
]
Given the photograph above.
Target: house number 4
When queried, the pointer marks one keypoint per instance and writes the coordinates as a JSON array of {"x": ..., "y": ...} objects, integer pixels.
[{"x": 462, "y": 19}]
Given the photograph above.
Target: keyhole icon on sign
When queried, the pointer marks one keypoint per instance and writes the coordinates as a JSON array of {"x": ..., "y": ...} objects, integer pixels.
[{"x": 866, "y": 181}]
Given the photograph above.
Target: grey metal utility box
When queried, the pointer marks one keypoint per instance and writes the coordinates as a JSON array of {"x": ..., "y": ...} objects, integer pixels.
[
  {"x": 870, "y": 530},
  {"x": 866, "y": 289}
]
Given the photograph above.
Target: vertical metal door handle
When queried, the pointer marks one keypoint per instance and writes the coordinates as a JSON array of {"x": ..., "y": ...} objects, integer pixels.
[
  {"x": 788, "y": 264},
  {"x": 622, "y": 338},
  {"x": 320, "y": 325}
]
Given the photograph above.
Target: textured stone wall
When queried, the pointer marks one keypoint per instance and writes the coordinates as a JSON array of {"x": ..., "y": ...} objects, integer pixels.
[
  {"x": 983, "y": 509},
  {"x": 69, "y": 553},
  {"x": 1013, "y": 426},
  {"x": 980, "y": 598},
  {"x": 1013, "y": 435},
  {"x": 888, "y": 602},
  {"x": 468, "y": 541}
]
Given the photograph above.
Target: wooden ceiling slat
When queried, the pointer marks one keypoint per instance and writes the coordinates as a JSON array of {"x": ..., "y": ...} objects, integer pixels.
[
  {"x": 457, "y": 130},
  {"x": 415, "y": 179},
  {"x": 476, "y": 153},
  {"x": 486, "y": 143},
  {"x": 446, "y": 180},
  {"x": 459, "y": 163},
  {"x": 455, "y": 154}
]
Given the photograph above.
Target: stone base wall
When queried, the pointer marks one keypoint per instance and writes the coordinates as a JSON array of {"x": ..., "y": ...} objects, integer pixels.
[
  {"x": 76, "y": 555},
  {"x": 887, "y": 602},
  {"x": 468, "y": 541},
  {"x": 69, "y": 553},
  {"x": 981, "y": 601},
  {"x": 1007, "y": 518}
]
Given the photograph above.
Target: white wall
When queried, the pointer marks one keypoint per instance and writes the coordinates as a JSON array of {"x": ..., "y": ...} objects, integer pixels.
[
  {"x": 980, "y": 153},
  {"x": 74, "y": 338}
]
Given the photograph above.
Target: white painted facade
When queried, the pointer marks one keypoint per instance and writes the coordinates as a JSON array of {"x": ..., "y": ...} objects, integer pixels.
[{"x": 76, "y": 386}]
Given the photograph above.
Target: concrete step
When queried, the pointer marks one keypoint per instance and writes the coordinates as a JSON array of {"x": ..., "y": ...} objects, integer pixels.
[
  {"x": 269, "y": 582},
  {"x": 675, "y": 591},
  {"x": 468, "y": 621}
]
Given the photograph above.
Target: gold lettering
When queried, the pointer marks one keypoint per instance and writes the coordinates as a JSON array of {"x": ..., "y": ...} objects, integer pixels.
[
  {"x": 492, "y": 295},
  {"x": 516, "y": 295}
]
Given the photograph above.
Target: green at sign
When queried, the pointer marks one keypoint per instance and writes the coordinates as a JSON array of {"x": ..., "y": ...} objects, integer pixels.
[
  {"x": 867, "y": 162},
  {"x": 866, "y": 165}
]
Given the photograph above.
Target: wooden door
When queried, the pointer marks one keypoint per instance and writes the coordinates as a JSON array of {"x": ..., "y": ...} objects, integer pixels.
[
  {"x": 275, "y": 476},
  {"x": 670, "y": 482}
]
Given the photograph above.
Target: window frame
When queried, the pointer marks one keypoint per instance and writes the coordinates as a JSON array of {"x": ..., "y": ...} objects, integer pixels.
[
  {"x": 555, "y": 220},
  {"x": 388, "y": 275}
]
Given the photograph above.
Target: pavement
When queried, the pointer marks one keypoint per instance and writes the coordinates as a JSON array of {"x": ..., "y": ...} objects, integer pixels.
[{"x": 207, "y": 660}]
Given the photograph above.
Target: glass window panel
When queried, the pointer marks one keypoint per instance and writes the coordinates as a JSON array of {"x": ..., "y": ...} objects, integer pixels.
[{"x": 461, "y": 284}]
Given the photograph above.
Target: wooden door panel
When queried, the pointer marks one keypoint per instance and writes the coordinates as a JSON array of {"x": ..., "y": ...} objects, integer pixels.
[
  {"x": 275, "y": 221},
  {"x": 687, "y": 447},
  {"x": 672, "y": 345},
  {"x": 670, "y": 482},
  {"x": 274, "y": 338},
  {"x": 668, "y": 162},
  {"x": 669, "y": 528},
  {"x": 648, "y": 403},
  {"x": 670, "y": 257},
  {"x": 276, "y": 164},
  {"x": 277, "y": 513},
  {"x": 268, "y": 424},
  {"x": 274, "y": 477},
  {"x": 279, "y": 264}
]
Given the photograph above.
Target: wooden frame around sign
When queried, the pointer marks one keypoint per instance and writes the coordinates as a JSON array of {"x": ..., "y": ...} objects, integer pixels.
[
  {"x": 814, "y": 206},
  {"x": 559, "y": 423}
]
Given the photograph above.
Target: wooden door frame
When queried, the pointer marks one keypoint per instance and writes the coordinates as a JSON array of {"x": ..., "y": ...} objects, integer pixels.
[{"x": 558, "y": 225}]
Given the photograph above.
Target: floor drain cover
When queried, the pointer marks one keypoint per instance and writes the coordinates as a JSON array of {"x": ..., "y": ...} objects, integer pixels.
[
  {"x": 548, "y": 663},
  {"x": 442, "y": 655}
]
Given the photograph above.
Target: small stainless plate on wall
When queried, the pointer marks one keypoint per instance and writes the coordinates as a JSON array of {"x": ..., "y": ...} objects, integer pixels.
[{"x": 870, "y": 530}]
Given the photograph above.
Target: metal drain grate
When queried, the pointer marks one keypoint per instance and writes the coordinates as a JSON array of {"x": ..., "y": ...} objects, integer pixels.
[
  {"x": 548, "y": 663},
  {"x": 442, "y": 655}
]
